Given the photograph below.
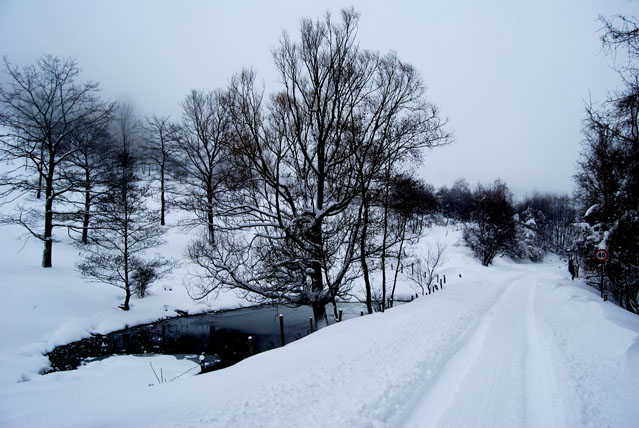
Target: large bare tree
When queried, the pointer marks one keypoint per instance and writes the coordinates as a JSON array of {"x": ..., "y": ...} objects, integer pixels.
[
  {"x": 41, "y": 107},
  {"x": 305, "y": 160}
]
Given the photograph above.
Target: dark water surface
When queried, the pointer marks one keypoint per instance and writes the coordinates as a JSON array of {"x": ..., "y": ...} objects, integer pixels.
[{"x": 222, "y": 337}]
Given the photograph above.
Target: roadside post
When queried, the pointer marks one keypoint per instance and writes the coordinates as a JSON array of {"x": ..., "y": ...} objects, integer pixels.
[{"x": 601, "y": 255}]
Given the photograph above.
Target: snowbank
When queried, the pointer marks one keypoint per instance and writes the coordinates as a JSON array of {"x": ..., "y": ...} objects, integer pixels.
[{"x": 508, "y": 345}]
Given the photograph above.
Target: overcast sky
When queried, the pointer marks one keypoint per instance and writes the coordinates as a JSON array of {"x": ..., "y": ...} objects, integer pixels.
[{"x": 512, "y": 76}]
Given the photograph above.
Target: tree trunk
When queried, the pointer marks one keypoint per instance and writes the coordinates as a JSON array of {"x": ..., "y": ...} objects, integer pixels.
[
  {"x": 87, "y": 209},
  {"x": 317, "y": 280},
  {"x": 39, "y": 191},
  {"x": 209, "y": 217},
  {"x": 399, "y": 258},
  {"x": 85, "y": 220},
  {"x": 385, "y": 238},
  {"x": 48, "y": 219},
  {"x": 367, "y": 280},
  {"x": 162, "y": 201},
  {"x": 319, "y": 312},
  {"x": 125, "y": 305},
  {"x": 48, "y": 233},
  {"x": 125, "y": 246}
]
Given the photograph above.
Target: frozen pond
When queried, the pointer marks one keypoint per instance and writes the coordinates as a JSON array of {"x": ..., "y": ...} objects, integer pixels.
[{"x": 222, "y": 337}]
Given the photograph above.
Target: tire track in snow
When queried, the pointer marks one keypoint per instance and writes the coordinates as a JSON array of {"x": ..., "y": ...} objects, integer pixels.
[
  {"x": 441, "y": 393},
  {"x": 542, "y": 397},
  {"x": 502, "y": 376}
]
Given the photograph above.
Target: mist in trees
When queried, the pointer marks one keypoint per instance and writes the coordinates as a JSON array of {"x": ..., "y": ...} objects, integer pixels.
[
  {"x": 125, "y": 228},
  {"x": 89, "y": 174},
  {"x": 162, "y": 155},
  {"x": 456, "y": 202}
]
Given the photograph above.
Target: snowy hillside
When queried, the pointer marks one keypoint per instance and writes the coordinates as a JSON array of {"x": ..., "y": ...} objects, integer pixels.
[{"x": 508, "y": 345}]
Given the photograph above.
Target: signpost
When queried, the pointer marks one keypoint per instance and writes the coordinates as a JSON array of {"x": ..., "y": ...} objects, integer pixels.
[{"x": 602, "y": 255}]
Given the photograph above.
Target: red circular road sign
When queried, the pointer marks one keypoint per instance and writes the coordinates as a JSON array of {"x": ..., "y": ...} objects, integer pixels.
[{"x": 601, "y": 255}]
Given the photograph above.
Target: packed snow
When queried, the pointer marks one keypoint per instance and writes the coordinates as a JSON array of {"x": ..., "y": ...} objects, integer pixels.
[{"x": 506, "y": 345}]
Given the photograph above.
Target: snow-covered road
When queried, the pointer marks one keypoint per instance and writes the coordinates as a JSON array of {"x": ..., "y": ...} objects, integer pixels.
[
  {"x": 503, "y": 375},
  {"x": 509, "y": 345},
  {"x": 541, "y": 356}
]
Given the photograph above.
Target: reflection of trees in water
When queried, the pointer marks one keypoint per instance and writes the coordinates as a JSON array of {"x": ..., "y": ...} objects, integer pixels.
[{"x": 195, "y": 334}]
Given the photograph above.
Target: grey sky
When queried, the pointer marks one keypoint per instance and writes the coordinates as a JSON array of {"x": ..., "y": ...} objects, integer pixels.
[{"x": 512, "y": 76}]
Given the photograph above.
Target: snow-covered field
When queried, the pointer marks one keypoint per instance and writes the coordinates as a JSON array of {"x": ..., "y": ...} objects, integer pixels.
[{"x": 508, "y": 345}]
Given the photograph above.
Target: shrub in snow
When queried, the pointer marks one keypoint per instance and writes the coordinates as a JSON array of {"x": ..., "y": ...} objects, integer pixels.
[{"x": 494, "y": 229}]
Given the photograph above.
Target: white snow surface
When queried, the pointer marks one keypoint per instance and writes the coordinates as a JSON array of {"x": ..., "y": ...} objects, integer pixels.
[{"x": 507, "y": 345}]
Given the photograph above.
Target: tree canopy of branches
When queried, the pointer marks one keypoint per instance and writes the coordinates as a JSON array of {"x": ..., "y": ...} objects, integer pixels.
[
  {"x": 306, "y": 160},
  {"x": 608, "y": 170},
  {"x": 493, "y": 228},
  {"x": 41, "y": 108},
  {"x": 201, "y": 143}
]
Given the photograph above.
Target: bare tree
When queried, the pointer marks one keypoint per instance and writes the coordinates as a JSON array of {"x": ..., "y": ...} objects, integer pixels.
[
  {"x": 306, "y": 162},
  {"x": 40, "y": 108},
  {"x": 202, "y": 140}
]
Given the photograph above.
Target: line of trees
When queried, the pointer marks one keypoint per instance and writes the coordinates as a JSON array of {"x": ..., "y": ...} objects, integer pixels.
[
  {"x": 608, "y": 172},
  {"x": 297, "y": 193},
  {"x": 74, "y": 161},
  {"x": 293, "y": 192},
  {"x": 44, "y": 109}
]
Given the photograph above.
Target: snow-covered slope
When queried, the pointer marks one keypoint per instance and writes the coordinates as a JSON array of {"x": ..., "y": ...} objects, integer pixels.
[
  {"x": 508, "y": 345},
  {"x": 42, "y": 308}
]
